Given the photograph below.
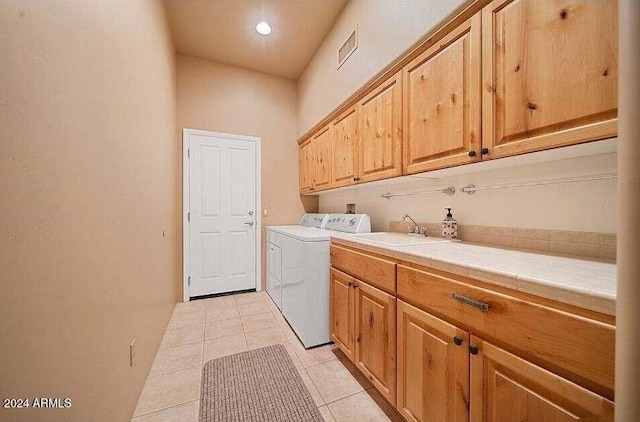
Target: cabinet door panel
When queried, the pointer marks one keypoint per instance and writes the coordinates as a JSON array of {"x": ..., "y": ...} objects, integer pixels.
[
  {"x": 381, "y": 131},
  {"x": 550, "y": 72},
  {"x": 376, "y": 338},
  {"x": 442, "y": 102},
  {"x": 305, "y": 167},
  {"x": 505, "y": 387},
  {"x": 344, "y": 142},
  {"x": 433, "y": 371},
  {"x": 322, "y": 159},
  {"x": 342, "y": 312}
]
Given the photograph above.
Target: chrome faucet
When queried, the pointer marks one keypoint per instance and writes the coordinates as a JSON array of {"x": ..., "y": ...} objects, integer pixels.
[{"x": 416, "y": 229}]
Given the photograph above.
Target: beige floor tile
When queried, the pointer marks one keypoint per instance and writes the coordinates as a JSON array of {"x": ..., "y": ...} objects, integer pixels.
[
  {"x": 253, "y": 308},
  {"x": 317, "y": 399},
  {"x": 314, "y": 356},
  {"x": 183, "y": 335},
  {"x": 244, "y": 298},
  {"x": 179, "y": 320},
  {"x": 280, "y": 319},
  {"x": 188, "y": 412},
  {"x": 290, "y": 335},
  {"x": 326, "y": 414},
  {"x": 178, "y": 357},
  {"x": 334, "y": 381},
  {"x": 294, "y": 357},
  {"x": 221, "y": 302},
  {"x": 272, "y": 306},
  {"x": 224, "y": 346},
  {"x": 169, "y": 389},
  {"x": 191, "y": 306},
  {"x": 266, "y": 337},
  {"x": 259, "y": 322},
  {"x": 358, "y": 407},
  {"x": 223, "y": 328},
  {"x": 219, "y": 314}
]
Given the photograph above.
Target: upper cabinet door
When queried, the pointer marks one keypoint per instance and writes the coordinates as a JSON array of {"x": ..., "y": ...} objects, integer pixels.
[
  {"x": 305, "y": 167},
  {"x": 442, "y": 102},
  {"x": 550, "y": 74},
  {"x": 322, "y": 159},
  {"x": 381, "y": 132},
  {"x": 344, "y": 142}
]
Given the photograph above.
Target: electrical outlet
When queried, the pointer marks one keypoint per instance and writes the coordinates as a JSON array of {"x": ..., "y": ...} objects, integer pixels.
[{"x": 132, "y": 352}]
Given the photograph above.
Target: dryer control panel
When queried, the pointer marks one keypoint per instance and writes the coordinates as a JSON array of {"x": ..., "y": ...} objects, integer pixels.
[{"x": 314, "y": 220}]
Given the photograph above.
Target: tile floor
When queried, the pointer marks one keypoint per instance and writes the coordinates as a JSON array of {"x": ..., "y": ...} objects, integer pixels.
[{"x": 207, "y": 329}]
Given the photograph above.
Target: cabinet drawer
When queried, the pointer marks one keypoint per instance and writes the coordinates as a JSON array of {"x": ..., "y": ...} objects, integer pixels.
[
  {"x": 375, "y": 271},
  {"x": 566, "y": 343}
]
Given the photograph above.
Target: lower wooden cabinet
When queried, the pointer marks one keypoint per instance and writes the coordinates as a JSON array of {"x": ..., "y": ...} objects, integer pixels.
[
  {"x": 505, "y": 387},
  {"x": 363, "y": 326},
  {"x": 375, "y": 316},
  {"x": 341, "y": 312},
  {"x": 427, "y": 352},
  {"x": 433, "y": 368},
  {"x": 444, "y": 374}
]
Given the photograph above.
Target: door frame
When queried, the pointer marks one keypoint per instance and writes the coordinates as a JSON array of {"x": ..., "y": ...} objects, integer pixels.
[{"x": 185, "y": 203}]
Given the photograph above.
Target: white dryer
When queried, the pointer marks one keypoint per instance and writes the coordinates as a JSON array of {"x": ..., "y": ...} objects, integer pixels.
[{"x": 304, "y": 274}]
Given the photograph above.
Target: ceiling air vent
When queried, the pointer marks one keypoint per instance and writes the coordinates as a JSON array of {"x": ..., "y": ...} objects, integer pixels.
[{"x": 348, "y": 47}]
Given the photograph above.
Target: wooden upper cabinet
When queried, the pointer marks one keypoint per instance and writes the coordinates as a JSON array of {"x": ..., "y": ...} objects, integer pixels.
[
  {"x": 380, "y": 149},
  {"x": 433, "y": 368},
  {"x": 344, "y": 144},
  {"x": 306, "y": 166},
  {"x": 505, "y": 387},
  {"x": 442, "y": 102},
  {"x": 550, "y": 74},
  {"x": 375, "y": 327},
  {"x": 322, "y": 159}
]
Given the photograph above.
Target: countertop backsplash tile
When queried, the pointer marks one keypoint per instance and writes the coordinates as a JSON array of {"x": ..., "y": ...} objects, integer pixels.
[{"x": 586, "y": 245}]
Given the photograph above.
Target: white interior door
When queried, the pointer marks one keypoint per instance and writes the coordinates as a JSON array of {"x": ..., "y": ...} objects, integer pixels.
[{"x": 222, "y": 223}]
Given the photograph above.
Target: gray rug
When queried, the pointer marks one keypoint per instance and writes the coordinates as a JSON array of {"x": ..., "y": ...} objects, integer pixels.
[{"x": 260, "y": 385}]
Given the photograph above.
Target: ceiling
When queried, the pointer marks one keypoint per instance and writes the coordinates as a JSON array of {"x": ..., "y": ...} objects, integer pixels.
[{"x": 224, "y": 31}]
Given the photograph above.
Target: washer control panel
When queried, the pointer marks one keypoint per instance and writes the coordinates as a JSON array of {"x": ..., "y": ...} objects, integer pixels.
[{"x": 349, "y": 223}]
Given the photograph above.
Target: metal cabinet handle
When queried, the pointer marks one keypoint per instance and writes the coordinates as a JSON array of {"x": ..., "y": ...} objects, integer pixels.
[
  {"x": 472, "y": 153},
  {"x": 484, "y": 151},
  {"x": 473, "y": 349},
  {"x": 457, "y": 340},
  {"x": 468, "y": 301}
]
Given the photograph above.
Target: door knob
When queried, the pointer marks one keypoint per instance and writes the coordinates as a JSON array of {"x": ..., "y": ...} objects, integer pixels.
[{"x": 250, "y": 223}]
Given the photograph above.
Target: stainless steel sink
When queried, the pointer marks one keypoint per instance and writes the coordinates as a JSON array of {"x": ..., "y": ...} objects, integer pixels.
[{"x": 398, "y": 239}]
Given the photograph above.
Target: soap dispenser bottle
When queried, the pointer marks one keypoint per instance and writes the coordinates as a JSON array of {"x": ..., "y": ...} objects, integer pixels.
[{"x": 450, "y": 226}]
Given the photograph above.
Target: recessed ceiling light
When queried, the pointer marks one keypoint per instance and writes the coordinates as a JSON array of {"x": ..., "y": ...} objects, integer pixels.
[{"x": 263, "y": 28}]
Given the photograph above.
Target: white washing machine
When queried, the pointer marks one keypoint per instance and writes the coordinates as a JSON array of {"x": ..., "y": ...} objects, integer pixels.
[
  {"x": 303, "y": 268},
  {"x": 309, "y": 221}
]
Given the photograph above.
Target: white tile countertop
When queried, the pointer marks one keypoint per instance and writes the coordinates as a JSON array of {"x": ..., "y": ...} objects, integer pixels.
[{"x": 587, "y": 284}]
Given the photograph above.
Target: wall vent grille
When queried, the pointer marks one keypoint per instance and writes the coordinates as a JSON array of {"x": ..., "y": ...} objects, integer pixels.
[{"x": 349, "y": 46}]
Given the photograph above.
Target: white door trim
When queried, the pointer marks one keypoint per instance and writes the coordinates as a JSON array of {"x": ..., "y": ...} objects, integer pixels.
[{"x": 185, "y": 203}]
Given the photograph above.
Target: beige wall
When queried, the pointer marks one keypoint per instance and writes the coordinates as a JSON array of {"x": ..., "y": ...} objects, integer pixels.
[
  {"x": 585, "y": 206},
  {"x": 223, "y": 98},
  {"x": 386, "y": 29},
  {"x": 89, "y": 240}
]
